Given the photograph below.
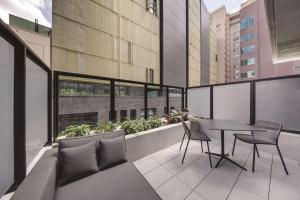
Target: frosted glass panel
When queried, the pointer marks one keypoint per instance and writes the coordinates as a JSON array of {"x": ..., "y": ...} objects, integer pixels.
[
  {"x": 279, "y": 101},
  {"x": 36, "y": 109},
  {"x": 199, "y": 102},
  {"x": 6, "y": 115},
  {"x": 232, "y": 102}
]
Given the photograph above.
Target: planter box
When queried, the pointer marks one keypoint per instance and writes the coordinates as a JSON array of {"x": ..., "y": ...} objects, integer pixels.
[{"x": 145, "y": 143}]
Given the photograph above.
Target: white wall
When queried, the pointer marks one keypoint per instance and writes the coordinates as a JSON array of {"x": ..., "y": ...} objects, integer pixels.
[
  {"x": 36, "y": 109},
  {"x": 232, "y": 102},
  {"x": 6, "y": 115},
  {"x": 199, "y": 102}
]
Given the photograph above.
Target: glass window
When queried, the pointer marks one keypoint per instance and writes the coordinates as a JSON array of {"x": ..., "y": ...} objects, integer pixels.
[
  {"x": 150, "y": 75},
  {"x": 152, "y": 6},
  {"x": 247, "y": 37},
  {"x": 247, "y": 49},
  {"x": 248, "y": 22}
]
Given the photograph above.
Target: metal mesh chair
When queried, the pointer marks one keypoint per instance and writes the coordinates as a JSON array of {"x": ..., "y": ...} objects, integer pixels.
[
  {"x": 268, "y": 137},
  {"x": 194, "y": 133}
]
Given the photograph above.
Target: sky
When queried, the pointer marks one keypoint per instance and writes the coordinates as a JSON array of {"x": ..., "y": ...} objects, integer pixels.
[
  {"x": 28, "y": 9},
  {"x": 42, "y": 9},
  {"x": 231, "y": 5}
]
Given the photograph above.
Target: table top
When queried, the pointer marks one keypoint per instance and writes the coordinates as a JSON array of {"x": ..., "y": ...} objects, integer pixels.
[{"x": 227, "y": 125}]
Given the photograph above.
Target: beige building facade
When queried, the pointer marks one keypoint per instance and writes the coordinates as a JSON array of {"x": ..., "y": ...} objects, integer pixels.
[
  {"x": 235, "y": 51},
  {"x": 220, "y": 22},
  {"x": 39, "y": 43},
  {"x": 109, "y": 38},
  {"x": 194, "y": 43},
  {"x": 213, "y": 49}
]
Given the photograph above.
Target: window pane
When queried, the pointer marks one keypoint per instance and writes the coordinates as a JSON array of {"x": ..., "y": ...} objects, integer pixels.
[
  {"x": 83, "y": 101},
  {"x": 157, "y": 100},
  {"x": 128, "y": 97},
  {"x": 175, "y": 99}
]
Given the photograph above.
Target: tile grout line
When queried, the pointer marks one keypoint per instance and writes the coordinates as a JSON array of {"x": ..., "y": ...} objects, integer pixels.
[
  {"x": 238, "y": 176},
  {"x": 193, "y": 190},
  {"x": 270, "y": 178},
  {"x": 175, "y": 175},
  {"x": 161, "y": 164}
]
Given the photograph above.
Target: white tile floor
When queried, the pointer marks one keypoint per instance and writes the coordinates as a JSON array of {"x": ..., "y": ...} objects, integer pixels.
[{"x": 195, "y": 180}]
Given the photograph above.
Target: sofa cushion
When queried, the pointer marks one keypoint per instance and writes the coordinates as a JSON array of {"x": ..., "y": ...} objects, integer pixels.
[
  {"x": 78, "y": 141},
  {"x": 123, "y": 181},
  {"x": 112, "y": 152},
  {"x": 77, "y": 162}
]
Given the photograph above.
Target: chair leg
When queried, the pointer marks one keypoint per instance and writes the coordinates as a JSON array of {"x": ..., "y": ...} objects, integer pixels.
[
  {"x": 201, "y": 146},
  {"x": 182, "y": 141},
  {"x": 282, "y": 161},
  {"x": 233, "y": 146},
  {"x": 209, "y": 154},
  {"x": 256, "y": 150},
  {"x": 253, "y": 162},
  {"x": 185, "y": 151}
]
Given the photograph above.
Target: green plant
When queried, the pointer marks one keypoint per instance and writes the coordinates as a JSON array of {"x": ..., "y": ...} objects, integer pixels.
[
  {"x": 104, "y": 127},
  {"x": 154, "y": 122},
  {"x": 76, "y": 131},
  {"x": 139, "y": 125}
]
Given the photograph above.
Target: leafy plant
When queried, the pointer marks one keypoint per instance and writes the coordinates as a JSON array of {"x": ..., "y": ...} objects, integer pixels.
[
  {"x": 76, "y": 131},
  {"x": 154, "y": 121},
  {"x": 104, "y": 127}
]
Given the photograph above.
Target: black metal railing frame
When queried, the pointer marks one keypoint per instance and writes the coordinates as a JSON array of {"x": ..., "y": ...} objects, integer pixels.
[
  {"x": 21, "y": 51},
  {"x": 252, "y": 95},
  {"x": 112, "y": 113}
]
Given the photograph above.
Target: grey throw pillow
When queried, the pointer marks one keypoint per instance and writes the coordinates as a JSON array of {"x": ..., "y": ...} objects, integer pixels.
[
  {"x": 112, "y": 152},
  {"x": 77, "y": 162}
]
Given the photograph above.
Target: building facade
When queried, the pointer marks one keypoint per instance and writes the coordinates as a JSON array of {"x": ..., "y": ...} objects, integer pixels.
[
  {"x": 117, "y": 39},
  {"x": 174, "y": 42},
  {"x": 213, "y": 51},
  {"x": 255, "y": 45},
  {"x": 36, "y": 36},
  {"x": 220, "y": 22},
  {"x": 234, "y": 62},
  {"x": 205, "y": 45},
  {"x": 194, "y": 21}
]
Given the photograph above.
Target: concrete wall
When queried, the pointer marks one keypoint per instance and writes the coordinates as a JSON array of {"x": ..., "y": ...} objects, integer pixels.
[
  {"x": 220, "y": 23},
  {"x": 194, "y": 43},
  {"x": 111, "y": 38},
  {"x": 40, "y": 44},
  {"x": 174, "y": 43},
  {"x": 213, "y": 49},
  {"x": 148, "y": 142},
  {"x": 205, "y": 45}
]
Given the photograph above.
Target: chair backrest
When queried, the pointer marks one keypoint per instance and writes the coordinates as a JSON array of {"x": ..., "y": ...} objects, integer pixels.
[
  {"x": 272, "y": 127},
  {"x": 186, "y": 128}
]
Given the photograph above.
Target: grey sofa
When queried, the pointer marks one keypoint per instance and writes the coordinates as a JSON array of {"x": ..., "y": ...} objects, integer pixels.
[{"x": 120, "y": 182}]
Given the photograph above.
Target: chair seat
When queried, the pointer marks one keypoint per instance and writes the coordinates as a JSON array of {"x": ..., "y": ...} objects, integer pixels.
[
  {"x": 199, "y": 136},
  {"x": 258, "y": 139}
]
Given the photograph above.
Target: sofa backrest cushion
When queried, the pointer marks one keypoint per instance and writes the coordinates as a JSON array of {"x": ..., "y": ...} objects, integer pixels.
[
  {"x": 75, "y": 142},
  {"x": 40, "y": 183},
  {"x": 77, "y": 162},
  {"x": 112, "y": 152}
]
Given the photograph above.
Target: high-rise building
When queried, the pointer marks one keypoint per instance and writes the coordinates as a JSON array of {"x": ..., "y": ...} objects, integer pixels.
[
  {"x": 255, "y": 45},
  {"x": 234, "y": 61},
  {"x": 117, "y": 39},
  {"x": 194, "y": 43},
  {"x": 130, "y": 40},
  {"x": 213, "y": 50},
  {"x": 220, "y": 22},
  {"x": 205, "y": 45}
]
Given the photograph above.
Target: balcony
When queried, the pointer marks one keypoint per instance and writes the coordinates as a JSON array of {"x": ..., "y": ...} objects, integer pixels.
[{"x": 40, "y": 107}]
